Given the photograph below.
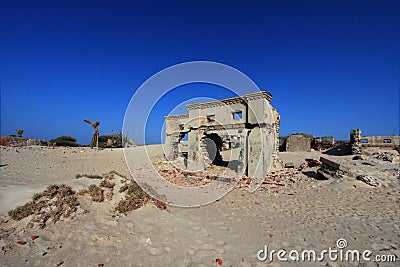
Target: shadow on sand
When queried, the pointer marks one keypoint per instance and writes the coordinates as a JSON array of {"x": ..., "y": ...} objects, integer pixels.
[{"x": 341, "y": 150}]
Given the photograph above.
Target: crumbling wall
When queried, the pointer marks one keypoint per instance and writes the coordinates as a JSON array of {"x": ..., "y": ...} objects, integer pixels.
[
  {"x": 299, "y": 142},
  {"x": 323, "y": 142},
  {"x": 17, "y": 141},
  {"x": 355, "y": 142},
  {"x": 174, "y": 127},
  {"x": 390, "y": 141}
]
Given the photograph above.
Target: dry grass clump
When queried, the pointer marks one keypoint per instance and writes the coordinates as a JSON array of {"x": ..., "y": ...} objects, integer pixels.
[
  {"x": 130, "y": 188},
  {"x": 96, "y": 193},
  {"x": 91, "y": 176},
  {"x": 104, "y": 190},
  {"x": 136, "y": 198},
  {"x": 109, "y": 195},
  {"x": 120, "y": 175},
  {"x": 55, "y": 202},
  {"x": 106, "y": 183},
  {"x": 22, "y": 211}
]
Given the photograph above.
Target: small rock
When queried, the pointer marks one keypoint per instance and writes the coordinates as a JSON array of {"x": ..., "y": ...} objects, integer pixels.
[{"x": 148, "y": 241}]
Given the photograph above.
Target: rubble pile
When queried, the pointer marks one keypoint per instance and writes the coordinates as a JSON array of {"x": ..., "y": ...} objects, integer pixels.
[
  {"x": 330, "y": 169},
  {"x": 190, "y": 178},
  {"x": 386, "y": 156},
  {"x": 310, "y": 163},
  {"x": 368, "y": 180},
  {"x": 277, "y": 179}
]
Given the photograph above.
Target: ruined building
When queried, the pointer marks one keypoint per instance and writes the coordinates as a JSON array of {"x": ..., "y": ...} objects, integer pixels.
[{"x": 241, "y": 133}]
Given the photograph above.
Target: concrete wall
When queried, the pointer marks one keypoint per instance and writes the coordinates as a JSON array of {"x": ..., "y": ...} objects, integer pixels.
[
  {"x": 299, "y": 142},
  {"x": 380, "y": 141}
]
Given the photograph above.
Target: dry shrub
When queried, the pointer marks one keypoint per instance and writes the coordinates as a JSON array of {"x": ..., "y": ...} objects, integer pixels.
[
  {"x": 132, "y": 202},
  {"x": 22, "y": 211},
  {"x": 55, "y": 202},
  {"x": 91, "y": 176},
  {"x": 82, "y": 192},
  {"x": 136, "y": 198},
  {"x": 109, "y": 195},
  {"x": 96, "y": 193},
  {"x": 131, "y": 188},
  {"x": 120, "y": 175},
  {"x": 107, "y": 184},
  {"x": 159, "y": 204}
]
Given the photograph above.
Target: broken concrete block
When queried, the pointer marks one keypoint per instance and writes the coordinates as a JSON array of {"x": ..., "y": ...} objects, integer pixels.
[
  {"x": 369, "y": 180},
  {"x": 332, "y": 169},
  {"x": 289, "y": 165}
]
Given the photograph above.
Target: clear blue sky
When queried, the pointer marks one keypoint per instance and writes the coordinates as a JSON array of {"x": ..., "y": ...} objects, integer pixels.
[{"x": 330, "y": 65}]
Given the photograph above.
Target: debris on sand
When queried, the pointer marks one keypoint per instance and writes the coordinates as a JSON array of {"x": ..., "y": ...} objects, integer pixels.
[
  {"x": 386, "y": 156},
  {"x": 186, "y": 178},
  {"x": 310, "y": 163},
  {"x": 368, "y": 180}
]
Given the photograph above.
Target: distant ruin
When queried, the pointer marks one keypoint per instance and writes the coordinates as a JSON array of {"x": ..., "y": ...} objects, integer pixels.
[
  {"x": 16, "y": 141},
  {"x": 358, "y": 141},
  {"x": 241, "y": 133},
  {"x": 305, "y": 142}
]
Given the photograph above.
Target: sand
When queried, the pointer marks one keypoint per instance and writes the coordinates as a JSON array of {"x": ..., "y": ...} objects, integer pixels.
[{"x": 307, "y": 214}]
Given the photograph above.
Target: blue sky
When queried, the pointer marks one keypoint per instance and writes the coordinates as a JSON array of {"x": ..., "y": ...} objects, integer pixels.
[{"x": 330, "y": 65}]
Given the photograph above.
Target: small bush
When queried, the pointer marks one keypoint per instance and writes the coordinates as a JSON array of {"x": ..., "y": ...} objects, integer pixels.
[
  {"x": 131, "y": 188},
  {"x": 64, "y": 141},
  {"x": 53, "y": 203},
  {"x": 110, "y": 141},
  {"x": 96, "y": 193},
  {"x": 132, "y": 202},
  {"x": 22, "y": 212},
  {"x": 107, "y": 184},
  {"x": 91, "y": 176},
  {"x": 135, "y": 198},
  {"x": 115, "y": 172}
]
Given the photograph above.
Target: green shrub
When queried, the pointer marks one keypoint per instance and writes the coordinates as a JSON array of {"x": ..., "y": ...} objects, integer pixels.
[{"x": 64, "y": 141}]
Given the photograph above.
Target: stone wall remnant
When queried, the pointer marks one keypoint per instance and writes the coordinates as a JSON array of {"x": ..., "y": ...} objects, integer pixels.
[
  {"x": 330, "y": 169},
  {"x": 384, "y": 141},
  {"x": 299, "y": 142},
  {"x": 355, "y": 142},
  {"x": 16, "y": 141}
]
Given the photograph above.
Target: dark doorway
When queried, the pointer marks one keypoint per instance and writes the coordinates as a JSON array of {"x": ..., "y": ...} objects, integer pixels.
[{"x": 213, "y": 144}]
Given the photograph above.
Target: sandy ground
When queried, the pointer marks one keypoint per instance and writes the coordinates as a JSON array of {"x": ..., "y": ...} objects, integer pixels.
[{"x": 307, "y": 214}]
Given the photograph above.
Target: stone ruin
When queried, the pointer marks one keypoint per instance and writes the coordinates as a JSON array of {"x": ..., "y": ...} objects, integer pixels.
[
  {"x": 355, "y": 142},
  {"x": 358, "y": 141},
  {"x": 241, "y": 133},
  {"x": 305, "y": 142},
  {"x": 17, "y": 141}
]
